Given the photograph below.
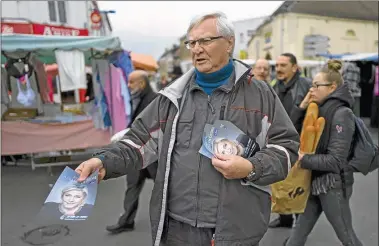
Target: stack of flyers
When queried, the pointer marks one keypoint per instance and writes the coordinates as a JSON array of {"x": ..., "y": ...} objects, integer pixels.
[
  {"x": 70, "y": 199},
  {"x": 223, "y": 137}
]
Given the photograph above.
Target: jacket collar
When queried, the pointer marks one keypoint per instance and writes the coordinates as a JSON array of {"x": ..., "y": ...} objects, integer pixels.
[{"x": 176, "y": 89}]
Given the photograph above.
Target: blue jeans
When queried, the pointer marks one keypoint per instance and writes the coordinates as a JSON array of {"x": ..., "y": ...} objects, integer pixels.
[{"x": 337, "y": 210}]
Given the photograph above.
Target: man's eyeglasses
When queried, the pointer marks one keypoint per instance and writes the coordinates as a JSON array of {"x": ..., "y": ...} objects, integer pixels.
[
  {"x": 190, "y": 44},
  {"x": 318, "y": 85}
]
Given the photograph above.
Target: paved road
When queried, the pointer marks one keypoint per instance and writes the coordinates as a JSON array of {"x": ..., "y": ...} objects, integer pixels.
[{"x": 23, "y": 192}]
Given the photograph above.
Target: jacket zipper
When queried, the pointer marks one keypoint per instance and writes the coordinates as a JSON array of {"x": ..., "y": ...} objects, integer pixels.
[
  {"x": 200, "y": 161},
  {"x": 210, "y": 105},
  {"x": 222, "y": 112}
]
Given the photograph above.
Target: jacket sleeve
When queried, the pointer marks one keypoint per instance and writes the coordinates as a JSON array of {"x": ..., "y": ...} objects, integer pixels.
[
  {"x": 341, "y": 136},
  {"x": 273, "y": 162},
  {"x": 139, "y": 146}
]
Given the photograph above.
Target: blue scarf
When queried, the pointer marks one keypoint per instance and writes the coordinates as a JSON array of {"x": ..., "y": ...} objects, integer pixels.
[{"x": 210, "y": 81}]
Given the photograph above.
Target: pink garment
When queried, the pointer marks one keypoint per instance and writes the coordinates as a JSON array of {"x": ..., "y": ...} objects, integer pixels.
[
  {"x": 115, "y": 101},
  {"x": 50, "y": 87},
  {"x": 376, "y": 86}
]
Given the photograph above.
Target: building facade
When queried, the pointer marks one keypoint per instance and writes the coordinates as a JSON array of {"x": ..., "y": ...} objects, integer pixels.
[
  {"x": 244, "y": 30},
  {"x": 168, "y": 60},
  {"x": 56, "y": 18},
  {"x": 347, "y": 29}
]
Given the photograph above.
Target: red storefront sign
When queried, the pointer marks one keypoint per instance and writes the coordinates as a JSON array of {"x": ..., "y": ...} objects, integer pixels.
[
  {"x": 9, "y": 28},
  {"x": 40, "y": 29}
]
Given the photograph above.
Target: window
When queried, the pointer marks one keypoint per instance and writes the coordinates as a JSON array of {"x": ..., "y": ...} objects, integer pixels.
[
  {"x": 52, "y": 12},
  {"x": 241, "y": 38},
  {"x": 250, "y": 33},
  {"x": 350, "y": 33},
  {"x": 268, "y": 37},
  {"x": 57, "y": 9},
  {"x": 62, "y": 11}
]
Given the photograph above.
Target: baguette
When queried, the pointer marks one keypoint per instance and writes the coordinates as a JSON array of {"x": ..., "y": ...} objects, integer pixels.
[
  {"x": 308, "y": 140},
  {"x": 312, "y": 110},
  {"x": 308, "y": 121},
  {"x": 320, "y": 124},
  {"x": 310, "y": 117}
]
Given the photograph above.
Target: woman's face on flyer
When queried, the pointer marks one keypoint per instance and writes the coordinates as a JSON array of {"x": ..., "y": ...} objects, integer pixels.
[
  {"x": 73, "y": 198},
  {"x": 226, "y": 147}
]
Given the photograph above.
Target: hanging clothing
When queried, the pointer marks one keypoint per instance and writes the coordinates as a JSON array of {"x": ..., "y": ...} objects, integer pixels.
[
  {"x": 376, "y": 86},
  {"x": 25, "y": 97},
  {"x": 122, "y": 60},
  {"x": 99, "y": 110},
  {"x": 37, "y": 103},
  {"x": 50, "y": 87},
  {"x": 4, "y": 87},
  {"x": 101, "y": 106},
  {"x": 43, "y": 87},
  {"x": 351, "y": 74},
  {"x": 71, "y": 67},
  {"x": 126, "y": 98},
  {"x": 115, "y": 101}
]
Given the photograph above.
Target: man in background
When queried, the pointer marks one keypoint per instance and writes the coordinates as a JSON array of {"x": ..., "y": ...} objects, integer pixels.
[
  {"x": 141, "y": 95},
  {"x": 261, "y": 70},
  {"x": 291, "y": 88}
]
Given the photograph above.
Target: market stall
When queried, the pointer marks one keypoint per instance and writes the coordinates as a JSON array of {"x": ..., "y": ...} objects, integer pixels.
[
  {"x": 144, "y": 62},
  {"x": 367, "y": 66},
  {"x": 37, "y": 126}
]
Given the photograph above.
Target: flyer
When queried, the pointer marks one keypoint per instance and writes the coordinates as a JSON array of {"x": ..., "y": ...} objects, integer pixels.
[
  {"x": 69, "y": 199},
  {"x": 223, "y": 137}
]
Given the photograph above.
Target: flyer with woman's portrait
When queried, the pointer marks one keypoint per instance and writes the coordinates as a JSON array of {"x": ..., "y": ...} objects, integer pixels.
[
  {"x": 223, "y": 137},
  {"x": 69, "y": 199}
]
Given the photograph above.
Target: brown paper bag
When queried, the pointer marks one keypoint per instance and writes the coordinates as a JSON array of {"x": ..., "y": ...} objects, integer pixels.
[{"x": 290, "y": 196}]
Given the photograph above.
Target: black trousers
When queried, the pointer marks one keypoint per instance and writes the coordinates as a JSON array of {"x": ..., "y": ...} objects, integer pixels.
[{"x": 135, "y": 181}]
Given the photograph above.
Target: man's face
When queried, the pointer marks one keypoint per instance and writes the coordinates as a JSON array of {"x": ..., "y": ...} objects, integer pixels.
[
  {"x": 72, "y": 199},
  {"x": 285, "y": 70},
  {"x": 261, "y": 70},
  {"x": 135, "y": 84},
  {"x": 226, "y": 147},
  {"x": 212, "y": 55}
]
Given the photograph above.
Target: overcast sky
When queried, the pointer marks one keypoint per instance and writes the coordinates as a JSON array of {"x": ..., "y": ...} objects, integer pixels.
[{"x": 150, "y": 27}]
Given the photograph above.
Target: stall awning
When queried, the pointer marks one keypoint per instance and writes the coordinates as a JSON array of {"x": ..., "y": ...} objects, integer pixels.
[
  {"x": 44, "y": 46},
  {"x": 146, "y": 62},
  {"x": 361, "y": 57}
]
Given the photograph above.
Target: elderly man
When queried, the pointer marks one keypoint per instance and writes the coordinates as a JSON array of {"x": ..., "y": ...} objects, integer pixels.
[
  {"x": 142, "y": 95},
  {"x": 261, "y": 70},
  {"x": 196, "y": 200}
]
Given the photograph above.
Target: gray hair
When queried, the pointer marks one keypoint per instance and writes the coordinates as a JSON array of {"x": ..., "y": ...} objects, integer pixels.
[{"x": 225, "y": 28}]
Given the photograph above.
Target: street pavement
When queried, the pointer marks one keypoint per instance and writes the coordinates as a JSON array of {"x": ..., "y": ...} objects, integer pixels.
[{"x": 23, "y": 192}]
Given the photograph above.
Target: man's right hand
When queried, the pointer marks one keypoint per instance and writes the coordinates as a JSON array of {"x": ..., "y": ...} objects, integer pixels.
[{"x": 85, "y": 169}]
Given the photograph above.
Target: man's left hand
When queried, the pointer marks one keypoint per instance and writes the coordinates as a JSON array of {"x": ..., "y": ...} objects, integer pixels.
[{"x": 232, "y": 166}]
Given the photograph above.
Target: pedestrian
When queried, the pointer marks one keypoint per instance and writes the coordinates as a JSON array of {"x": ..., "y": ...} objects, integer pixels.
[
  {"x": 291, "y": 89},
  {"x": 142, "y": 95},
  {"x": 261, "y": 70},
  {"x": 332, "y": 178},
  {"x": 163, "y": 82},
  {"x": 196, "y": 200},
  {"x": 351, "y": 74}
]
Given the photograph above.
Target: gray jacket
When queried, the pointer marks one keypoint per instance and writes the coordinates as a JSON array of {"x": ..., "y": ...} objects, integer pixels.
[
  {"x": 244, "y": 208},
  {"x": 297, "y": 91}
]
